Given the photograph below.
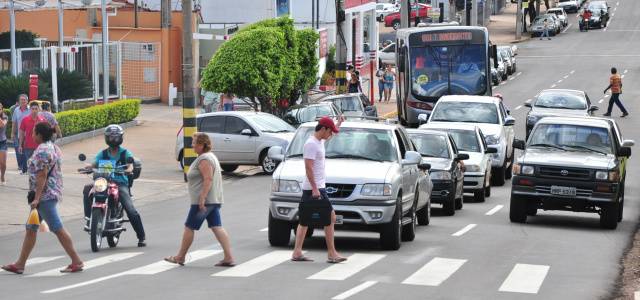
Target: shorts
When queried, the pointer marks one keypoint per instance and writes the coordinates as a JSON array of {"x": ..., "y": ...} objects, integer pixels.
[
  {"x": 388, "y": 85},
  {"x": 195, "y": 218},
  {"x": 3, "y": 146},
  {"x": 48, "y": 210}
]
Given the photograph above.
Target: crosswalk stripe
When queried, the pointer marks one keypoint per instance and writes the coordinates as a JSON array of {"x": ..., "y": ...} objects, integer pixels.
[
  {"x": 494, "y": 210},
  {"x": 89, "y": 264},
  {"x": 150, "y": 269},
  {"x": 365, "y": 285},
  {"x": 464, "y": 230},
  {"x": 525, "y": 278},
  {"x": 356, "y": 263},
  {"x": 257, "y": 264},
  {"x": 435, "y": 272},
  {"x": 39, "y": 260}
]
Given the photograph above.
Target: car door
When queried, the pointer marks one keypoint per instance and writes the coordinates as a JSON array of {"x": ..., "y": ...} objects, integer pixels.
[
  {"x": 408, "y": 176},
  {"x": 239, "y": 148},
  {"x": 457, "y": 167},
  {"x": 486, "y": 157},
  {"x": 509, "y": 131},
  {"x": 213, "y": 126}
]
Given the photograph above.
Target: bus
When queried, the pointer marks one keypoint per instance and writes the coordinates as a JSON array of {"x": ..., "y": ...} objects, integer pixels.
[{"x": 438, "y": 60}]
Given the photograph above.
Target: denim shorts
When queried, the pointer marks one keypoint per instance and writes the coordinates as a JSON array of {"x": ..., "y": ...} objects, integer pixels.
[
  {"x": 48, "y": 210},
  {"x": 3, "y": 145},
  {"x": 195, "y": 218}
]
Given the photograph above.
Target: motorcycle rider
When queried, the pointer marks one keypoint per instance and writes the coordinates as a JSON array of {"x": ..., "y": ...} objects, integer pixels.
[
  {"x": 116, "y": 155},
  {"x": 586, "y": 16}
]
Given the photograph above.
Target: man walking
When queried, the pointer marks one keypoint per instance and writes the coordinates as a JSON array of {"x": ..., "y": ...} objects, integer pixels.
[
  {"x": 51, "y": 119},
  {"x": 313, "y": 188},
  {"x": 545, "y": 30},
  {"x": 615, "y": 84},
  {"x": 16, "y": 116},
  {"x": 27, "y": 143}
]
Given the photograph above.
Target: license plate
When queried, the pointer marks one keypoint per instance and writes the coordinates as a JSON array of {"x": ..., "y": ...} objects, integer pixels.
[
  {"x": 339, "y": 219},
  {"x": 563, "y": 191}
]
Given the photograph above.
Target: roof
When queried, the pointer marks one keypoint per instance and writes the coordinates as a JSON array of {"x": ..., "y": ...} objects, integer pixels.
[
  {"x": 439, "y": 28},
  {"x": 232, "y": 113},
  {"x": 426, "y": 131},
  {"x": 367, "y": 125},
  {"x": 449, "y": 125},
  {"x": 467, "y": 98},
  {"x": 347, "y": 95},
  {"x": 68, "y": 4},
  {"x": 580, "y": 121}
]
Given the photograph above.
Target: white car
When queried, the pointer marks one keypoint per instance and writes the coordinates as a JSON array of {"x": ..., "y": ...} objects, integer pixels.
[
  {"x": 562, "y": 15},
  {"x": 387, "y": 55},
  {"x": 477, "y": 169},
  {"x": 570, "y": 5},
  {"x": 383, "y": 9},
  {"x": 494, "y": 120}
]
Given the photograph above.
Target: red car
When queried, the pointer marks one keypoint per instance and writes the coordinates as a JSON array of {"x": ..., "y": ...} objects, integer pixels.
[{"x": 393, "y": 19}]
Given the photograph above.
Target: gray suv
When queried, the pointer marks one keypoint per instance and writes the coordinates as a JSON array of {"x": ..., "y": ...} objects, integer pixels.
[
  {"x": 572, "y": 164},
  {"x": 374, "y": 178}
]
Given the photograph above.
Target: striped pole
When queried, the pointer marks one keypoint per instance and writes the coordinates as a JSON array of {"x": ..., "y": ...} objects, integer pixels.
[{"x": 188, "y": 100}]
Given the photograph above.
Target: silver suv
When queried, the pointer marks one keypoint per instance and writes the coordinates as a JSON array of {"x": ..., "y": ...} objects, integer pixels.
[{"x": 375, "y": 181}]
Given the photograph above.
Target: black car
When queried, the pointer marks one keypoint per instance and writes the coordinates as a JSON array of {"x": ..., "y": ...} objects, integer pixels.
[
  {"x": 558, "y": 102},
  {"x": 439, "y": 150},
  {"x": 599, "y": 14},
  {"x": 299, "y": 114},
  {"x": 353, "y": 105}
]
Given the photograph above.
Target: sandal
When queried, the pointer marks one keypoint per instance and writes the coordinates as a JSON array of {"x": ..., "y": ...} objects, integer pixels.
[
  {"x": 301, "y": 258},
  {"x": 336, "y": 260},
  {"x": 13, "y": 269},
  {"x": 174, "y": 260},
  {"x": 223, "y": 263},
  {"x": 73, "y": 268}
]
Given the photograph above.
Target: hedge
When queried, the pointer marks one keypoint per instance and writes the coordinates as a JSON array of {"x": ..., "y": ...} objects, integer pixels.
[{"x": 77, "y": 121}]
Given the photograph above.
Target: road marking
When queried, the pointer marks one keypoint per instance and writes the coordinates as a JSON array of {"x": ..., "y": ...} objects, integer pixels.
[
  {"x": 503, "y": 83},
  {"x": 622, "y": 76},
  {"x": 264, "y": 229},
  {"x": 518, "y": 73},
  {"x": 566, "y": 76},
  {"x": 600, "y": 101},
  {"x": 617, "y": 3},
  {"x": 257, "y": 264},
  {"x": 464, "y": 230},
  {"x": 512, "y": 78},
  {"x": 525, "y": 278},
  {"x": 565, "y": 30},
  {"x": 553, "y": 85},
  {"x": 356, "y": 263},
  {"x": 518, "y": 107},
  {"x": 606, "y": 96},
  {"x": 559, "y": 81},
  {"x": 151, "y": 269},
  {"x": 572, "y": 71},
  {"x": 494, "y": 210},
  {"x": 365, "y": 285},
  {"x": 89, "y": 264},
  {"x": 625, "y": 71},
  {"x": 38, "y": 260},
  {"x": 435, "y": 272}
]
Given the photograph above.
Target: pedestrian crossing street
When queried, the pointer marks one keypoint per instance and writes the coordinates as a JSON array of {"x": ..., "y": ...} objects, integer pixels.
[{"x": 523, "y": 278}]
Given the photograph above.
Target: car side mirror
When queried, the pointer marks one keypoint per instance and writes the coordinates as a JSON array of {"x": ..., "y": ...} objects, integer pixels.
[
  {"x": 412, "y": 158},
  {"x": 527, "y": 104},
  {"x": 593, "y": 108},
  {"x": 462, "y": 156},
  {"x": 246, "y": 132},
  {"x": 82, "y": 157},
  {"x": 509, "y": 121},
  {"x": 518, "y": 144},
  {"x": 491, "y": 150},
  {"x": 628, "y": 143},
  {"x": 276, "y": 153},
  {"x": 624, "y": 151}
]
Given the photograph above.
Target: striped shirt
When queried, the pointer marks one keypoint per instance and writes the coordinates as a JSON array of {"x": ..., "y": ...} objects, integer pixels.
[{"x": 616, "y": 84}]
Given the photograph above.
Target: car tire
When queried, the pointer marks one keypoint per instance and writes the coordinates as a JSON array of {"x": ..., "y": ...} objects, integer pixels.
[
  {"x": 229, "y": 168},
  {"x": 449, "y": 206},
  {"x": 409, "y": 230},
  {"x": 479, "y": 195},
  {"x": 279, "y": 232},
  {"x": 268, "y": 165},
  {"x": 515, "y": 68},
  {"x": 424, "y": 214},
  {"x": 390, "y": 233},
  {"x": 487, "y": 191},
  {"x": 505, "y": 76},
  {"x": 396, "y": 25},
  {"x": 517, "y": 210},
  {"x": 532, "y": 208},
  {"x": 499, "y": 178},
  {"x": 609, "y": 215},
  {"x": 508, "y": 172},
  {"x": 621, "y": 201}
]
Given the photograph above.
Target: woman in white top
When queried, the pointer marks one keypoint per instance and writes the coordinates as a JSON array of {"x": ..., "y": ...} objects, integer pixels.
[{"x": 205, "y": 190}]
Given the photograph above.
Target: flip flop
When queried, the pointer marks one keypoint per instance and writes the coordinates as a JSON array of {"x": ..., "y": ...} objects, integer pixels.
[
  {"x": 13, "y": 269},
  {"x": 72, "y": 268},
  {"x": 174, "y": 260},
  {"x": 301, "y": 258},
  {"x": 225, "y": 264},
  {"x": 336, "y": 260}
]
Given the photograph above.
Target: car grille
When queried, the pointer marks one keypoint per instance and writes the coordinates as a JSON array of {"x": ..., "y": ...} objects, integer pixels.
[
  {"x": 339, "y": 190},
  {"x": 546, "y": 190},
  {"x": 565, "y": 173}
]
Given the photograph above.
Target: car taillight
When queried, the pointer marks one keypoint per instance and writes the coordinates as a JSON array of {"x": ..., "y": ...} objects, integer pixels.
[
  {"x": 179, "y": 131},
  {"x": 420, "y": 105}
]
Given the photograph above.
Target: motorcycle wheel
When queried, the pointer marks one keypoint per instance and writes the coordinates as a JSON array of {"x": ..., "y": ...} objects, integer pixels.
[
  {"x": 113, "y": 240},
  {"x": 97, "y": 225}
]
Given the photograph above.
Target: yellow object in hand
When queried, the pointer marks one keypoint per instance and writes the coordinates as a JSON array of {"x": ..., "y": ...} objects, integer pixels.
[{"x": 34, "y": 217}]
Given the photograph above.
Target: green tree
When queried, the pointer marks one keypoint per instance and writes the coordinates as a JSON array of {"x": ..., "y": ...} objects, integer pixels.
[
  {"x": 11, "y": 87},
  {"x": 307, "y": 61},
  {"x": 24, "y": 39}
]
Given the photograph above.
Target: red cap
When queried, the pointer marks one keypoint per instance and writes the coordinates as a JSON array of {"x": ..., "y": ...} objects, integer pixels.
[{"x": 327, "y": 122}]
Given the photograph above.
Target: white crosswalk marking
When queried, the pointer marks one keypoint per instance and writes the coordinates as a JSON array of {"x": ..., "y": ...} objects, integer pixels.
[
  {"x": 342, "y": 271},
  {"x": 38, "y": 260},
  {"x": 435, "y": 272},
  {"x": 518, "y": 107},
  {"x": 464, "y": 230},
  {"x": 257, "y": 264},
  {"x": 365, "y": 285},
  {"x": 525, "y": 278},
  {"x": 494, "y": 210},
  {"x": 89, "y": 264},
  {"x": 151, "y": 269},
  {"x": 264, "y": 229}
]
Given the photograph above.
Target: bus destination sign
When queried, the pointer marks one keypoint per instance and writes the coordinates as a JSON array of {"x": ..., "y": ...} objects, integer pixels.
[{"x": 447, "y": 36}]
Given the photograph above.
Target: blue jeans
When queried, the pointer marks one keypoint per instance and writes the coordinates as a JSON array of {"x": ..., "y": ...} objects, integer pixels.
[
  {"x": 227, "y": 107},
  {"x": 19, "y": 156},
  {"x": 545, "y": 33},
  {"x": 26, "y": 154},
  {"x": 615, "y": 98}
]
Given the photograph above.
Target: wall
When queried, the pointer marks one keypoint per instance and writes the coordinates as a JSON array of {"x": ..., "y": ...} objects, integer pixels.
[{"x": 237, "y": 11}]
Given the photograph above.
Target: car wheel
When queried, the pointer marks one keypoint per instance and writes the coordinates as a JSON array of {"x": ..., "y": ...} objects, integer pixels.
[
  {"x": 390, "y": 233},
  {"x": 532, "y": 208},
  {"x": 424, "y": 214},
  {"x": 409, "y": 230},
  {"x": 508, "y": 172},
  {"x": 449, "y": 206},
  {"x": 487, "y": 191},
  {"x": 229, "y": 168},
  {"x": 268, "y": 165},
  {"x": 515, "y": 69},
  {"x": 505, "y": 76},
  {"x": 498, "y": 179},
  {"x": 609, "y": 215},
  {"x": 621, "y": 201},
  {"x": 517, "y": 210},
  {"x": 396, "y": 25},
  {"x": 279, "y": 232},
  {"x": 479, "y": 195}
]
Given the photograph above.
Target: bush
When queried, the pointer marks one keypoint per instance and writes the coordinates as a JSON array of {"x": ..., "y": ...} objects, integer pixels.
[
  {"x": 71, "y": 84},
  {"x": 11, "y": 87},
  {"x": 77, "y": 121}
]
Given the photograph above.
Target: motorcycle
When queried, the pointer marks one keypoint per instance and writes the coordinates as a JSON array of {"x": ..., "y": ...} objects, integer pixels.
[{"x": 107, "y": 218}]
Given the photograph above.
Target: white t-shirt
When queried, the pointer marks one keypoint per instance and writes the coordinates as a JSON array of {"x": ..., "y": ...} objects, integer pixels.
[{"x": 314, "y": 149}]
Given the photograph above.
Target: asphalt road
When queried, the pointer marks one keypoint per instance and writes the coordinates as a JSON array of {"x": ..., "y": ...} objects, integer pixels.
[{"x": 476, "y": 254}]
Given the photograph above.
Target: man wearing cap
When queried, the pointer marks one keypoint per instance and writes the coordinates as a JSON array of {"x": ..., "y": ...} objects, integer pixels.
[{"x": 313, "y": 187}]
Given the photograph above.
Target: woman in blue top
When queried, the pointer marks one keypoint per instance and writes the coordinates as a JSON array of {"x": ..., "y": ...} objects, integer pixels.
[{"x": 388, "y": 77}]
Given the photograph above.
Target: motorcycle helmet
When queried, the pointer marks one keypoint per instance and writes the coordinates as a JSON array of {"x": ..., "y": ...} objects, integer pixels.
[{"x": 113, "y": 135}]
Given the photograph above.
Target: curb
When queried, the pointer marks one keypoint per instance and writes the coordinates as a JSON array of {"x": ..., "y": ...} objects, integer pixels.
[{"x": 85, "y": 135}]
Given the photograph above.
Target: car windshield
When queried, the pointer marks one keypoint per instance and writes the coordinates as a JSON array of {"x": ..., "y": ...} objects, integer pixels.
[
  {"x": 353, "y": 143},
  {"x": 465, "y": 140},
  {"x": 595, "y": 7},
  {"x": 572, "y": 137},
  {"x": 348, "y": 104},
  {"x": 448, "y": 70},
  {"x": 557, "y": 12},
  {"x": 270, "y": 123},
  {"x": 561, "y": 100},
  {"x": 431, "y": 145},
  {"x": 468, "y": 112},
  {"x": 309, "y": 114}
]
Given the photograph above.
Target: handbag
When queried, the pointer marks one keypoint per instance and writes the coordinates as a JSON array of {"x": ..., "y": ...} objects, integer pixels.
[
  {"x": 315, "y": 212},
  {"x": 32, "y": 194}
]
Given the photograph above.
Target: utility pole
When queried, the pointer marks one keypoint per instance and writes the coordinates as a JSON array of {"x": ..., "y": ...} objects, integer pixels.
[
  {"x": 60, "y": 33},
  {"x": 105, "y": 53},
  {"x": 12, "y": 34},
  {"x": 341, "y": 49},
  {"x": 405, "y": 11},
  {"x": 519, "y": 20},
  {"x": 474, "y": 13},
  {"x": 135, "y": 13},
  {"x": 188, "y": 102},
  {"x": 452, "y": 10}
]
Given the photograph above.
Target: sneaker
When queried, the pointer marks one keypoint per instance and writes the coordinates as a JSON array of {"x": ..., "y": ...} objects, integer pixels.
[
  {"x": 624, "y": 115},
  {"x": 142, "y": 243},
  {"x": 607, "y": 115}
]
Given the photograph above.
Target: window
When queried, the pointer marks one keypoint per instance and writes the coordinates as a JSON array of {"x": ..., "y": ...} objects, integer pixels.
[
  {"x": 484, "y": 141},
  {"x": 213, "y": 124},
  {"x": 235, "y": 125},
  {"x": 390, "y": 49},
  {"x": 402, "y": 144}
]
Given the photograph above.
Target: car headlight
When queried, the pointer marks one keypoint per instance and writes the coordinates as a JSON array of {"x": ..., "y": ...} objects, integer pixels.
[
  {"x": 492, "y": 139},
  {"x": 608, "y": 175},
  {"x": 472, "y": 168},
  {"x": 100, "y": 185},
  {"x": 440, "y": 175},
  {"x": 285, "y": 186},
  {"x": 523, "y": 169},
  {"x": 376, "y": 189}
]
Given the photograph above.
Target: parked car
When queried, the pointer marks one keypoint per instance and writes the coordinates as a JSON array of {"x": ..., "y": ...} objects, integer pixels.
[
  {"x": 572, "y": 164},
  {"x": 387, "y": 55},
  {"x": 557, "y": 102},
  {"x": 556, "y": 20},
  {"x": 240, "y": 138},
  {"x": 537, "y": 29},
  {"x": 353, "y": 105},
  {"x": 469, "y": 140},
  {"x": 374, "y": 178},
  {"x": 503, "y": 64},
  {"x": 501, "y": 71},
  {"x": 561, "y": 14},
  {"x": 439, "y": 150},
  {"x": 393, "y": 19},
  {"x": 495, "y": 77},
  {"x": 599, "y": 14},
  {"x": 383, "y": 9},
  {"x": 509, "y": 57},
  {"x": 299, "y": 114},
  {"x": 494, "y": 120},
  {"x": 570, "y": 5}
]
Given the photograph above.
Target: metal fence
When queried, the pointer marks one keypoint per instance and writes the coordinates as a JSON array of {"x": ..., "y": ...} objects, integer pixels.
[{"x": 140, "y": 69}]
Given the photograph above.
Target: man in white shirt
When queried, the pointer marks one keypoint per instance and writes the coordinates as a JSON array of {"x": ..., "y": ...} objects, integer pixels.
[{"x": 313, "y": 188}]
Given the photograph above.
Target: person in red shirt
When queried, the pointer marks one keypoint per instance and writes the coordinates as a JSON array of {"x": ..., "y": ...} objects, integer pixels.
[
  {"x": 27, "y": 143},
  {"x": 615, "y": 84}
]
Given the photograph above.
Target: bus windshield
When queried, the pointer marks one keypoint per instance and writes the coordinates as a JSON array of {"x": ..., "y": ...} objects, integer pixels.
[{"x": 448, "y": 70}]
